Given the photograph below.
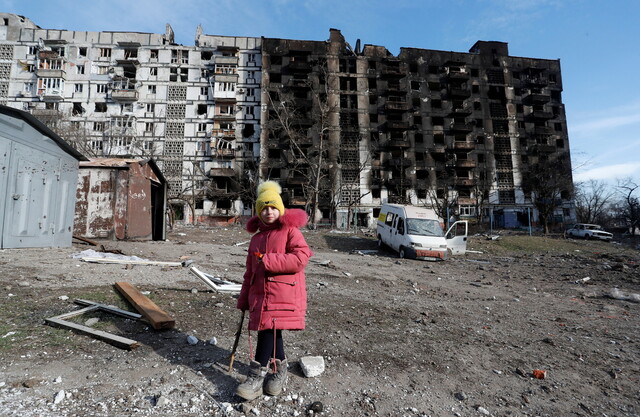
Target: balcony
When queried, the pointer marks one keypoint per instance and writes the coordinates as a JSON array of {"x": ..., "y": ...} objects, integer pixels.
[
  {"x": 543, "y": 130},
  {"x": 543, "y": 148},
  {"x": 124, "y": 95},
  {"x": 224, "y": 153},
  {"x": 538, "y": 114},
  {"x": 400, "y": 182},
  {"x": 226, "y": 78},
  {"x": 397, "y": 106},
  {"x": 223, "y": 133},
  {"x": 399, "y": 70},
  {"x": 395, "y": 125},
  {"x": 221, "y": 172},
  {"x": 51, "y": 73},
  {"x": 535, "y": 81},
  {"x": 225, "y": 60},
  {"x": 536, "y": 98},
  {"x": 460, "y": 127},
  {"x": 51, "y": 93},
  {"x": 465, "y": 110},
  {"x": 461, "y": 92},
  {"x": 457, "y": 74},
  {"x": 466, "y": 163},
  {"x": 464, "y": 146},
  {"x": 399, "y": 143},
  {"x": 464, "y": 182},
  {"x": 299, "y": 66},
  {"x": 398, "y": 162}
]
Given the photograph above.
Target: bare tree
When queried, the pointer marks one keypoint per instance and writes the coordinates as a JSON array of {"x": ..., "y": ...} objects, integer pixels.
[
  {"x": 548, "y": 181},
  {"x": 630, "y": 203},
  {"x": 301, "y": 128},
  {"x": 592, "y": 199}
]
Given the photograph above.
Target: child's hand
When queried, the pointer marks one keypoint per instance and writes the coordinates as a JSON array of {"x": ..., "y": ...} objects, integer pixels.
[{"x": 259, "y": 256}]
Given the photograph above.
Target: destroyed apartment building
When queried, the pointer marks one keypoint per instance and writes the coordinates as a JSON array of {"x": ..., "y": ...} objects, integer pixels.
[{"x": 343, "y": 129}]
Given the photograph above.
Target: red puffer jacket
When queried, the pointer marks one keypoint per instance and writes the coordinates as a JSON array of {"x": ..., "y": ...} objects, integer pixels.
[{"x": 274, "y": 289}]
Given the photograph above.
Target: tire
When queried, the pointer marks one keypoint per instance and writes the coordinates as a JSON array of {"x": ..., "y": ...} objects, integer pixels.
[
  {"x": 402, "y": 252},
  {"x": 380, "y": 244},
  {"x": 587, "y": 237}
]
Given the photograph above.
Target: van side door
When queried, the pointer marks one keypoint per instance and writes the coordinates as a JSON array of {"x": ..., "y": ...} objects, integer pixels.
[{"x": 457, "y": 237}]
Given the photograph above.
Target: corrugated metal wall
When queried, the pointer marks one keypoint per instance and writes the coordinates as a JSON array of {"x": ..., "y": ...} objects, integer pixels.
[{"x": 37, "y": 184}]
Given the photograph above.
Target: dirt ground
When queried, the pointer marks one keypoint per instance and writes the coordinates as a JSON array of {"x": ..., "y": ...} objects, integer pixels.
[{"x": 399, "y": 337}]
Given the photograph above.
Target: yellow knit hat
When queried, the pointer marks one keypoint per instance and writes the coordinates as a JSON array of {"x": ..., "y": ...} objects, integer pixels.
[{"x": 269, "y": 196}]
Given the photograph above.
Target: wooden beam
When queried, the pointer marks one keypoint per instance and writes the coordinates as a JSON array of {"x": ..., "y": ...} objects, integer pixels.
[
  {"x": 158, "y": 318},
  {"x": 118, "y": 341}
]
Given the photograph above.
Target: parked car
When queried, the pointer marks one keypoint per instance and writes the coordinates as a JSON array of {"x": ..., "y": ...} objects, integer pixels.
[{"x": 589, "y": 231}]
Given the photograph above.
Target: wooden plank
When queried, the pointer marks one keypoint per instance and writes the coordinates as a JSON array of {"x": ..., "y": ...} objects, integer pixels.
[
  {"x": 158, "y": 318},
  {"x": 118, "y": 341},
  {"x": 109, "y": 309}
]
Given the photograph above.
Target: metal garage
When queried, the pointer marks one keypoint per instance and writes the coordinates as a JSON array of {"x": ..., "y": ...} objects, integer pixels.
[{"x": 38, "y": 175}]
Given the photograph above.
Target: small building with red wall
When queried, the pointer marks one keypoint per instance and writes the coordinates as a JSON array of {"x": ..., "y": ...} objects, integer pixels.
[{"x": 123, "y": 199}]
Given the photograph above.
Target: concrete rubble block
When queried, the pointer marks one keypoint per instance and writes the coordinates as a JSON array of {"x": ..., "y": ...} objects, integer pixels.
[{"x": 312, "y": 366}]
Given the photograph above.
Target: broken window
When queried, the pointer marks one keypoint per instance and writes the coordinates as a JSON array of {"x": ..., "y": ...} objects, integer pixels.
[
  {"x": 202, "y": 109},
  {"x": 436, "y": 104},
  {"x": 251, "y": 92},
  {"x": 276, "y": 60},
  {"x": 206, "y": 55},
  {"x": 415, "y": 85},
  {"x": 153, "y": 71},
  {"x": 151, "y": 107},
  {"x": 251, "y": 58},
  {"x": 204, "y": 91},
  {"x": 101, "y": 107},
  {"x": 131, "y": 53},
  {"x": 148, "y": 127},
  {"x": 77, "y": 109},
  {"x": 77, "y": 88},
  {"x": 152, "y": 88},
  {"x": 101, "y": 88},
  {"x": 275, "y": 77},
  {"x": 202, "y": 127},
  {"x": 184, "y": 57},
  {"x": 80, "y": 69},
  {"x": 153, "y": 54},
  {"x": 226, "y": 86},
  {"x": 105, "y": 52},
  {"x": 98, "y": 126}
]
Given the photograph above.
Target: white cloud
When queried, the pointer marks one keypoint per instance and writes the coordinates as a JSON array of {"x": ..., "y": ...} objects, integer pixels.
[{"x": 609, "y": 172}]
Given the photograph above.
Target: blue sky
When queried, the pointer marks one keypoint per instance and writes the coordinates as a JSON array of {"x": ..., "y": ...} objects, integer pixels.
[{"x": 597, "y": 43}]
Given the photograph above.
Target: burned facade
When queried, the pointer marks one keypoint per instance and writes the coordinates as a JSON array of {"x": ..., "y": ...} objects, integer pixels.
[
  {"x": 343, "y": 129},
  {"x": 454, "y": 131}
]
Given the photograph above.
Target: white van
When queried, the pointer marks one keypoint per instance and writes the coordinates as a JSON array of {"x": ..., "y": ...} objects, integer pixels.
[{"x": 416, "y": 232}]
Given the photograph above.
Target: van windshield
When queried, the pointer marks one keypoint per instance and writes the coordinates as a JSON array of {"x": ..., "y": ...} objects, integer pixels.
[{"x": 424, "y": 227}]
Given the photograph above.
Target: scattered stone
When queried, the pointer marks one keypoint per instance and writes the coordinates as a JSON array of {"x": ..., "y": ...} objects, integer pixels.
[
  {"x": 63, "y": 298},
  {"x": 162, "y": 401},
  {"x": 192, "y": 340},
  {"x": 213, "y": 341},
  {"x": 483, "y": 411},
  {"x": 316, "y": 407},
  {"x": 59, "y": 397},
  {"x": 460, "y": 396},
  {"x": 30, "y": 383},
  {"x": 312, "y": 366},
  {"x": 91, "y": 322}
]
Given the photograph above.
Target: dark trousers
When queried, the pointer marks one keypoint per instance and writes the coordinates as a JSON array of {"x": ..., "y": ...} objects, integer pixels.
[{"x": 267, "y": 339}]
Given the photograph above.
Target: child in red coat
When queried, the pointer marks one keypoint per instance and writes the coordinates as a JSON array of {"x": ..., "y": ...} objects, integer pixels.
[{"x": 274, "y": 288}]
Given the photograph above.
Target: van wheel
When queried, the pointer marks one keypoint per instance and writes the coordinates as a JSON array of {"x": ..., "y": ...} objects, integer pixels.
[
  {"x": 402, "y": 253},
  {"x": 380, "y": 244}
]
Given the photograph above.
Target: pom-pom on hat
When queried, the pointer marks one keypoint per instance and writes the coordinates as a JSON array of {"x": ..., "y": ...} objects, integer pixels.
[{"x": 269, "y": 196}]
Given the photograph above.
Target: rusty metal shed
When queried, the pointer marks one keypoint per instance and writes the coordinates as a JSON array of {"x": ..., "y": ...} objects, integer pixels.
[
  {"x": 121, "y": 199},
  {"x": 38, "y": 174}
]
